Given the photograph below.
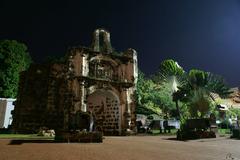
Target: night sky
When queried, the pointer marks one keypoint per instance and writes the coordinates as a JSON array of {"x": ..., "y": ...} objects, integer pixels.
[{"x": 203, "y": 34}]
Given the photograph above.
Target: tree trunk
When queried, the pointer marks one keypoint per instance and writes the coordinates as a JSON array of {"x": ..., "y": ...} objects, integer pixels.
[{"x": 178, "y": 110}]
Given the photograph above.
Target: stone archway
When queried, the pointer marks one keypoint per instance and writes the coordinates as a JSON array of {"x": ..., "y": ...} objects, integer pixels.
[{"x": 105, "y": 106}]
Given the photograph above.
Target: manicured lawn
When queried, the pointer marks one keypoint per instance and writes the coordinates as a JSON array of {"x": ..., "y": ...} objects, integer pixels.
[
  {"x": 22, "y": 136},
  {"x": 157, "y": 132},
  {"x": 221, "y": 132},
  {"x": 224, "y": 131}
]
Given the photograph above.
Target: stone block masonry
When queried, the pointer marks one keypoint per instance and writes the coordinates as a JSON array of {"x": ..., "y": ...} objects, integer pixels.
[{"x": 96, "y": 80}]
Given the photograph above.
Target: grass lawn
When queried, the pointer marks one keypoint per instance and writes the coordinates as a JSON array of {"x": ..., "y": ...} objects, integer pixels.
[
  {"x": 223, "y": 132},
  {"x": 157, "y": 132},
  {"x": 23, "y": 136}
]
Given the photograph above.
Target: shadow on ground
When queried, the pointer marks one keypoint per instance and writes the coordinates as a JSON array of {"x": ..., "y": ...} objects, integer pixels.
[
  {"x": 198, "y": 140},
  {"x": 171, "y": 138},
  {"x": 19, "y": 142}
]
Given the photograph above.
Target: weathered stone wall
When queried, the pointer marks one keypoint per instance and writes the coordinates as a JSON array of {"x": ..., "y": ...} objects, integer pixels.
[
  {"x": 92, "y": 79},
  {"x": 104, "y": 104},
  {"x": 31, "y": 105},
  {"x": 40, "y": 101}
]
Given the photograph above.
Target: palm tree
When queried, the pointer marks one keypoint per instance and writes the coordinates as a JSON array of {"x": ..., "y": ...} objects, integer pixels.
[
  {"x": 216, "y": 84},
  {"x": 198, "y": 89},
  {"x": 170, "y": 77}
]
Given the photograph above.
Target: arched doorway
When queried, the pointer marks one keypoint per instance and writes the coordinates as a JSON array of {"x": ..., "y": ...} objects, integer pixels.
[{"x": 105, "y": 106}]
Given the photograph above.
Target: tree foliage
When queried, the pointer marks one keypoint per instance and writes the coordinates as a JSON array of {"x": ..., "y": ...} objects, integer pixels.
[
  {"x": 197, "y": 78},
  {"x": 216, "y": 84},
  {"x": 146, "y": 96},
  {"x": 155, "y": 94},
  {"x": 168, "y": 71},
  {"x": 177, "y": 93},
  {"x": 197, "y": 91},
  {"x": 170, "y": 67},
  {"x": 233, "y": 112},
  {"x": 170, "y": 77},
  {"x": 210, "y": 82},
  {"x": 199, "y": 104},
  {"x": 14, "y": 58}
]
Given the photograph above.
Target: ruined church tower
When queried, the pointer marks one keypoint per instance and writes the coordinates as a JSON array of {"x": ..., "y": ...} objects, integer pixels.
[{"x": 94, "y": 79}]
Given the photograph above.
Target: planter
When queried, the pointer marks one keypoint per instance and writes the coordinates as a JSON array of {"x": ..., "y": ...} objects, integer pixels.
[{"x": 189, "y": 135}]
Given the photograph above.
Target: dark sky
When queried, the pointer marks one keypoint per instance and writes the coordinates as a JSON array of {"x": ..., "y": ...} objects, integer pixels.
[{"x": 203, "y": 34}]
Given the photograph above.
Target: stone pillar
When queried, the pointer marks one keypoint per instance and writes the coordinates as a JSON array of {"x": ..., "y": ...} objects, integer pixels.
[
  {"x": 128, "y": 101},
  {"x": 106, "y": 41},
  {"x": 83, "y": 97},
  {"x": 135, "y": 67},
  {"x": 127, "y": 114},
  {"x": 95, "y": 44},
  {"x": 133, "y": 89},
  {"x": 85, "y": 65},
  {"x": 85, "y": 72}
]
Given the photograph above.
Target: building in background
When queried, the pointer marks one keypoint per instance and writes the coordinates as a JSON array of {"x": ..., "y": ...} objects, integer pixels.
[
  {"x": 233, "y": 101},
  {"x": 6, "y": 108}
]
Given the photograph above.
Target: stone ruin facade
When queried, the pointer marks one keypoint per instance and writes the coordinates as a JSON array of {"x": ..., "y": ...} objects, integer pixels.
[{"x": 95, "y": 79}]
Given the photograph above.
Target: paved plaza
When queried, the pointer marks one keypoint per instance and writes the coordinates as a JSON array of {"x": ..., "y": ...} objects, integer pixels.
[{"x": 123, "y": 148}]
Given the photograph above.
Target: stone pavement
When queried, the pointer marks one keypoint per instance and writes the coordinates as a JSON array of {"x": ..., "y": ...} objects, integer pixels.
[{"x": 123, "y": 148}]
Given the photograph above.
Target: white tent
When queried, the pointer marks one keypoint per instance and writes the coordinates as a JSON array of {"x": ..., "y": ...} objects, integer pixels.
[{"x": 6, "y": 107}]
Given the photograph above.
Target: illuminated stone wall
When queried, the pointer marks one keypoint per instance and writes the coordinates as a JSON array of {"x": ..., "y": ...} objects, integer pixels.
[{"x": 95, "y": 79}]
